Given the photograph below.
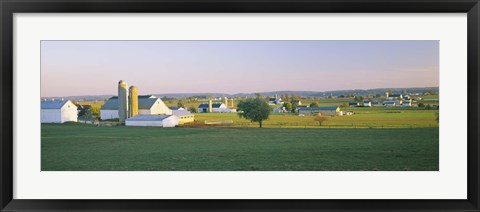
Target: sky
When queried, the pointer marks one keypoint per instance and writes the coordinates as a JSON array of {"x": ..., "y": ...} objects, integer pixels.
[{"x": 76, "y": 68}]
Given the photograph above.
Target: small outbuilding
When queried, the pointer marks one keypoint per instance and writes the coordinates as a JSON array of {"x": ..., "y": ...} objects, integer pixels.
[
  {"x": 58, "y": 111},
  {"x": 153, "y": 121},
  {"x": 184, "y": 115}
]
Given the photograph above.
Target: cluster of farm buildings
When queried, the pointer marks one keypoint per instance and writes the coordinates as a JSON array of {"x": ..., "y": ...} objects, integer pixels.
[{"x": 131, "y": 109}]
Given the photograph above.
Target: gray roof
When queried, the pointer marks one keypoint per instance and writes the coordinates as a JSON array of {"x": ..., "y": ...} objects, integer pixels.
[
  {"x": 55, "y": 104},
  {"x": 181, "y": 113},
  {"x": 394, "y": 95},
  {"x": 148, "y": 117},
  {"x": 391, "y": 102},
  {"x": 143, "y": 103},
  {"x": 319, "y": 108},
  {"x": 205, "y": 105}
]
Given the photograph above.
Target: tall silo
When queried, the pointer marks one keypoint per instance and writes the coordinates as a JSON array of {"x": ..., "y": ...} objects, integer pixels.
[
  {"x": 133, "y": 101},
  {"x": 210, "y": 108},
  {"x": 226, "y": 101},
  {"x": 122, "y": 101}
]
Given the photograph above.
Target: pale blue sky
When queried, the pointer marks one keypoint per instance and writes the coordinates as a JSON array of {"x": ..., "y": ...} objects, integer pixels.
[{"x": 70, "y": 68}]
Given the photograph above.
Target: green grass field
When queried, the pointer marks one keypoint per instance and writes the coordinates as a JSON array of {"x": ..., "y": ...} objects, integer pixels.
[
  {"x": 80, "y": 147},
  {"x": 376, "y": 118}
]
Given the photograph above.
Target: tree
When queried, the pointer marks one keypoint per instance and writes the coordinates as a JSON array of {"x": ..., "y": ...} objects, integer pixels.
[
  {"x": 180, "y": 103},
  {"x": 192, "y": 110},
  {"x": 95, "y": 110},
  {"x": 320, "y": 119},
  {"x": 421, "y": 105},
  {"x": 287, "y": 99},
  {"x": 358, "y": 98},
  {"x": 294, "y": 107},
  {"x": 314, "y": 104},
  {"x": 344, "y": 105},
  {"x": 287, "y": 106},
  {"x": 255, "y": 110}
]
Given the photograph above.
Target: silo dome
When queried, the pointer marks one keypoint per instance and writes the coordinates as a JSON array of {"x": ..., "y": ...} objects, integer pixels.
[{"x": 122, "y": 84}]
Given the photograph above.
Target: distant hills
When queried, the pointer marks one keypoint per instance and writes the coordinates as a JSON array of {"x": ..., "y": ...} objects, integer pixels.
[{"x": 359, "y": 92}]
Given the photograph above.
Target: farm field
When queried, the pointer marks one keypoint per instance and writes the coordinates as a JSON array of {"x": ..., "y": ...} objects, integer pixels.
[
  {"x": 364, "y": 118},
  {"x": 81, "y": 147}
]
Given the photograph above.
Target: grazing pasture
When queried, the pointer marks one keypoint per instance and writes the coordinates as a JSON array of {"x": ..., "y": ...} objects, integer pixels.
[
  {"x": 378, "y": 118},
  {"x": 82, "y": 147}
]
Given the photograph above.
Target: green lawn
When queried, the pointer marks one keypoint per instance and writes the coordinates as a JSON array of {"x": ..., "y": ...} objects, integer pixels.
[
  {"x": 362, "y": 119},
  {"x": 84, "y": 147}
]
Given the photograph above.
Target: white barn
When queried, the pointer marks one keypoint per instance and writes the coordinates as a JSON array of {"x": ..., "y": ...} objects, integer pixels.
[
  {"x": 153, "y": 120},
  {"x": 216, "y": 108},
  {"x": 58, "y": 111},
  {"x": 147, "y": 105}
]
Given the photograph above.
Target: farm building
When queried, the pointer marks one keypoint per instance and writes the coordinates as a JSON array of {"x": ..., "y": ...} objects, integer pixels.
[
  {"x": 353, "y": 104},
  {"x": 323, "y": 111},
  {"x": 58, "y": 111},
  {"x": 391, "y": 103},
  {"x": 393, "y": 96},
  {"x": 176, "y": 108},
  {"x": 296, "y": 102},
  {"x": 153, "y": 120},
  {"x": 213, "y": 108},
  {"x": 147, "y": 105},
  {"x": 184, "y": 116},
  {"x": 407, "y": 103},
  {"x": 279, "y": 110},
  {"x": 301, "y": 107},
  {"x": 275, "y": 101},
  {"x": 367, "y": 103}
]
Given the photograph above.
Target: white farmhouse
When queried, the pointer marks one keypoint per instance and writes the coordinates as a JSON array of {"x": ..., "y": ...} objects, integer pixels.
[
  {"x": 58, "y": 111},
  {"x": 147, "y": 105},
  {"x": 153, "y": 121},
  {"x": 367, "y": 103}
]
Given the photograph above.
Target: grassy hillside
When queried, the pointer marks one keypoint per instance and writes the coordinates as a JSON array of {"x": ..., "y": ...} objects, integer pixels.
[{"x": 85, "y": 147}]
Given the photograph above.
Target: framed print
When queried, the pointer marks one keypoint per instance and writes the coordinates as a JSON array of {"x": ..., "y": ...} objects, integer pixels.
[{"x": 239, "y": 105}]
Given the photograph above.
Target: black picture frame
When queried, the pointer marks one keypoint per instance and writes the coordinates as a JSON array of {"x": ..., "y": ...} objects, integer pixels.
[{"x": 9, "y": 7}]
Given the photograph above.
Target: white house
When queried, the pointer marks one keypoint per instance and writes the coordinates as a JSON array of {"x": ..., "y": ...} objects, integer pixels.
[
  {"x": 58, "y": 111},
  {"x": 275, "y": 101},
  {"x": 407, "y": 103},
  {"x": 147, "y": 105},
  {"x": 367, "y": 103},
  {"x": 153, "y": 121}
]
